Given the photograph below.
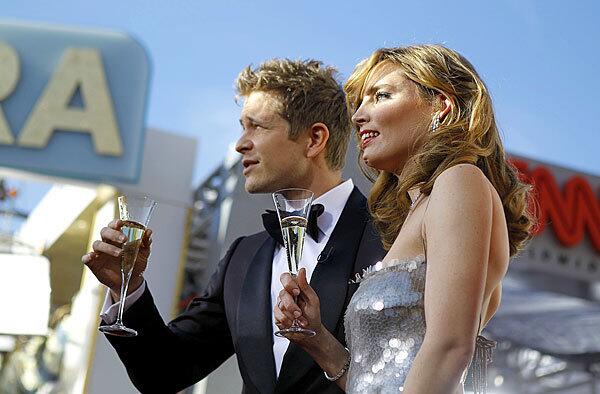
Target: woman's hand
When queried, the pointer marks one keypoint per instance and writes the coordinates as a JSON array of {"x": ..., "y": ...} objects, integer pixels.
[
  {"x": 306, "y": 308},
  {"x": 324, "y": 348}
]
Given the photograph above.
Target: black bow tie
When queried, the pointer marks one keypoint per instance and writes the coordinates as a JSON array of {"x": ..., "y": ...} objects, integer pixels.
[{"x": 271, "y": 223}]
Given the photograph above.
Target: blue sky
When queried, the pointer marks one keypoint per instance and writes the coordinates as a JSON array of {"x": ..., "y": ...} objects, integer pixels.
[{"x": 539, "y": 58}]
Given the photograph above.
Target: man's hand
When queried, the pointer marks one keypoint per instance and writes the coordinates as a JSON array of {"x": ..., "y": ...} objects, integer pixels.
[{"x": 105, "y": 260}]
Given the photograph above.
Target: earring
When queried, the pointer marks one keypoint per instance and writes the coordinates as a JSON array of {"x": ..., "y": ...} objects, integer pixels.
[{"x": 435, "y": 123}]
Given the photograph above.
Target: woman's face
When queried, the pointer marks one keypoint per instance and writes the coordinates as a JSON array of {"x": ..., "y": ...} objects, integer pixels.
[{"x": 391, "y": 119}]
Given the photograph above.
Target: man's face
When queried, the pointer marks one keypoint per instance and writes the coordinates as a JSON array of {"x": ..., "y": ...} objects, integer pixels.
[{"x": 271, "y": 160}]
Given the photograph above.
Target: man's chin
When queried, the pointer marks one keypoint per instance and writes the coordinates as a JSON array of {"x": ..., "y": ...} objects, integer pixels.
[{"x": 254, "y": 187}]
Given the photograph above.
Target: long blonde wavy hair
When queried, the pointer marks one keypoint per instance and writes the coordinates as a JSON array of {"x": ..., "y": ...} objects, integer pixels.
[{"x": 468, "y": 134}]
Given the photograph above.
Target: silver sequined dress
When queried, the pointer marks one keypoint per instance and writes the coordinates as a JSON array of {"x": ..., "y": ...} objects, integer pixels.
[{"x": 385, "y": 326}]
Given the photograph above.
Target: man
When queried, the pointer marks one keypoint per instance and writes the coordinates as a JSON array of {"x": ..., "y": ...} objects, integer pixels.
[{"x": 295, "y": 130}]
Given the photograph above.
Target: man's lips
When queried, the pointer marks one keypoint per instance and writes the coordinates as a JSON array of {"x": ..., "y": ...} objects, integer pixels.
[{"x": 248, "y": 165}]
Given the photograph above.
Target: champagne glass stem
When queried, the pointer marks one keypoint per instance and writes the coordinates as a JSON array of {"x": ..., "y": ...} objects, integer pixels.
[
  {"x": 295, "y": 323},
  {"x": 124, "y": 286}
]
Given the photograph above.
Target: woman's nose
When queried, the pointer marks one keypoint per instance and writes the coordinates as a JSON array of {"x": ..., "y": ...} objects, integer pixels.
[{"x": 360, "y": 117}]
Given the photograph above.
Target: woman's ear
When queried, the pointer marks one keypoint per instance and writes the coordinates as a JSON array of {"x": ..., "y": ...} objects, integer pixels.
[
  {"x": 446, "y": 106},
  {"x": 319, "y": 135}
]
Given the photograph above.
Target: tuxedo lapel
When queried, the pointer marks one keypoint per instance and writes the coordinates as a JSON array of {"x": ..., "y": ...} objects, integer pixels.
[
  {"x": 330, "y": 277},
  {"x": 255, "y": 332},
  {"x": 330, "y": 282}
]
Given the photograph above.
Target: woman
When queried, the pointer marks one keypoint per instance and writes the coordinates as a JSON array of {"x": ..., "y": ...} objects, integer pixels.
[{"x": 451, "y": 212}]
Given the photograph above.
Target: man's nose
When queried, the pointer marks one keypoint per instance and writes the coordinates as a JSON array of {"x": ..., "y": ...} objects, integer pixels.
[{"x": 243, "y": 144}]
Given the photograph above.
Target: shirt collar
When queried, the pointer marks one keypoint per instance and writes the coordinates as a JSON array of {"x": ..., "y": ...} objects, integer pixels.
[{"x": 334, "y": 202}]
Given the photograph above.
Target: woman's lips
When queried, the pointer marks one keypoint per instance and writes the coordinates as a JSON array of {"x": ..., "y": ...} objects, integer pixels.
[
  {"x": 367, "y": 136},
  {"x": 367, "y": 140}
]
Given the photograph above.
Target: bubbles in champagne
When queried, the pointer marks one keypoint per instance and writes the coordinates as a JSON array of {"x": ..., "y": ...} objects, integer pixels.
[
  {"x": 294, "y": 230},
  {"x": 133, "y": 232}
]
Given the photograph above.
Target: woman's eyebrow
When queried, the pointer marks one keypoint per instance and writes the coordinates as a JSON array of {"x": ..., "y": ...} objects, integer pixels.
[{"x": 376, "y": 87}]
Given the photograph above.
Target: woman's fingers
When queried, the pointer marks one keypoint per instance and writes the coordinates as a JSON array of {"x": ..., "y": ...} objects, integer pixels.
[
  {"x": 288, "y": 305},
  {"x": 289, "y": 284},
  {"x": 281, "y": 319},
  {"x": 307, "y": 291}
]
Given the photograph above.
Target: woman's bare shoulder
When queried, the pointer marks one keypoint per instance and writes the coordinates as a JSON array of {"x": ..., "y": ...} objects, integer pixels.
[
  {"x": 461, "y": 184},
  {"x": 461, "y": 176}
]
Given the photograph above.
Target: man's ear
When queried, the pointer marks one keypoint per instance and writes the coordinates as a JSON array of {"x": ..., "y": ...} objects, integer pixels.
[{"x": 318, "y": 135}]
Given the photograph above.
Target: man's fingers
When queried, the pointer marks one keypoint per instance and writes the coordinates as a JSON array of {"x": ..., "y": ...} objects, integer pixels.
[
  {"x": 289, "y": 284},
  {"x": 87, "y": 258},
  {"x": 115, "y": 224},
  {"x": 103, "y": 247},
  {"x": 147, "y": 240},
  {"x": 112, "y": 236}
]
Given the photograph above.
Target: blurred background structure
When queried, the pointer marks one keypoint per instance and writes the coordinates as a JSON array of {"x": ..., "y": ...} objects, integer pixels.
[{"x": 167, "y": 73}]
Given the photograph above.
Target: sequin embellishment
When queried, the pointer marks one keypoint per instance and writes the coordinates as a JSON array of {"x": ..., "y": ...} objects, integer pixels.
[{"x": 385, "y": 325}]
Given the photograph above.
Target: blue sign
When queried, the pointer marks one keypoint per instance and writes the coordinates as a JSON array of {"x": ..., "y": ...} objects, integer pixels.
[{"x": 72, "y": 102}]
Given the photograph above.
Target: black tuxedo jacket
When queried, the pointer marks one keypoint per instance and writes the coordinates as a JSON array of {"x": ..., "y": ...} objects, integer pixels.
[{"x": 234, "y": 316}]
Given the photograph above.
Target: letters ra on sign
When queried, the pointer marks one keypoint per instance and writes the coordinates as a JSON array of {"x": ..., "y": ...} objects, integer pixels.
[{"x": 72, "y": 102}]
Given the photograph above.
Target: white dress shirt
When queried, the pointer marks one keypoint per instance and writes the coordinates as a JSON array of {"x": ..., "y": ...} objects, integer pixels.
[{"x": 334, "y": 202}]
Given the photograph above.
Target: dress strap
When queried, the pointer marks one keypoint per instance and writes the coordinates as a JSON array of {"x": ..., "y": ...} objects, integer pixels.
[{"x": 423, "y": 236}]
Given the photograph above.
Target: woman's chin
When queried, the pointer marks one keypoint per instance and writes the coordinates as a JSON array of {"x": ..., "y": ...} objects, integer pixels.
[
  {"x": 381, "y": 165},
  {"x": 371, "y": 162}
]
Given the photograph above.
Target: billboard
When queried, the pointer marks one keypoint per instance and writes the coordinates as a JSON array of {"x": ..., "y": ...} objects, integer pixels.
[{"x": 72, "y": 102}]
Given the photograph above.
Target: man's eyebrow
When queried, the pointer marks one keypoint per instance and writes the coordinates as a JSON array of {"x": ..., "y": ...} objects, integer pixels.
[
  {"x": 251, "y": 119},
  {"x": 248, "y": 119}
]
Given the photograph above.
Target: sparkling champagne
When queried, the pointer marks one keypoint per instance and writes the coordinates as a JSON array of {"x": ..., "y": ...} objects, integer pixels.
[
  {"x": 134, "y": 233},
  {"x": 293, "y": 229}
]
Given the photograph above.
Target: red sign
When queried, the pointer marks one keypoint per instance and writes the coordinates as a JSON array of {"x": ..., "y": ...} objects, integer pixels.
[{"x": 572, "y": 211}]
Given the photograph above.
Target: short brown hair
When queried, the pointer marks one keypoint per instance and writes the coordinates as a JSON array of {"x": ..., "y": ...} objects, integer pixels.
[{"x": 309, "y": 94}]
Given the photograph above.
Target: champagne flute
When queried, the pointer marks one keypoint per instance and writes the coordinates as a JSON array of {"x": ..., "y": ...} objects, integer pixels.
[
  {"x": 293, "y": 208},
  {"x": 135, "y": 212}
]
